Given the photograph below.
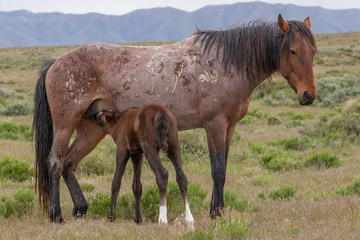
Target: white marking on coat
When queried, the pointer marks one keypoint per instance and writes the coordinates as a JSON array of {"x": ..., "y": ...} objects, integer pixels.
[
  {"x": 189, "y": 217},
  {"x": 163, "y": 215},
  {"x": 209, "y": 77}
]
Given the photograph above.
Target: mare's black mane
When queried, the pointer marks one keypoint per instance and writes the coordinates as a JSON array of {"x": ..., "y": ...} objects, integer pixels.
[{"x": 253, "y": 49}]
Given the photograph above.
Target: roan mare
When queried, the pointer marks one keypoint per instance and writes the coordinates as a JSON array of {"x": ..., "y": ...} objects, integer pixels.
[
  {"x": 205, "y": 80},
  {"x": 139, "y": 131}
]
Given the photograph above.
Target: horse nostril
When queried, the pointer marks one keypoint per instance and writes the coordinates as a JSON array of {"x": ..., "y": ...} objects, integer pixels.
[{"x": 306, "y": 95}]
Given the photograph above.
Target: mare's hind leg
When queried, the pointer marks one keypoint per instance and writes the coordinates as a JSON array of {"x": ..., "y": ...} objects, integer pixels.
[
  {"x": 56, "y": 165},
  {"x": 88, "y": 135},
  {"x": 174, "y": 153},
  {"x": 136, "y": 185},
  {"x": 122, "y": 157},
  {"x": 161, "y": 175}
]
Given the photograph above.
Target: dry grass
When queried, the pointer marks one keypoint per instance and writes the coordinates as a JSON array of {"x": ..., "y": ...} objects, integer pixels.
[{"x": 315, "y": 212}]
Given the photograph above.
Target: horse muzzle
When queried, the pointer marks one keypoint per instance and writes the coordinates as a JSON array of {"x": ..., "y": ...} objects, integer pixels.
[{"x": 306, "y": 98}]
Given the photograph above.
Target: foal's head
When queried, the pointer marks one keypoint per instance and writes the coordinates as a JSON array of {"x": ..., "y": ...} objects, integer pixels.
[
  {"x": 296, "y": 58},
  {"x": 108, "y": 119}
]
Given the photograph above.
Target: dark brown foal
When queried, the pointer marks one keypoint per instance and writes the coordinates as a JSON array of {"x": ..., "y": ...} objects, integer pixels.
[{"x": 145, "y": 130}]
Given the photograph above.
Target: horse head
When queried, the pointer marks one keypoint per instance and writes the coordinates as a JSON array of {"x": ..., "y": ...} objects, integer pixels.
[{"x": 296, "y": 58}]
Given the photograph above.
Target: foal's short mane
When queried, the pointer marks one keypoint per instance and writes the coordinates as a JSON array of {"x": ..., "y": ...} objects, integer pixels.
[{"x": 253, "y": 49}]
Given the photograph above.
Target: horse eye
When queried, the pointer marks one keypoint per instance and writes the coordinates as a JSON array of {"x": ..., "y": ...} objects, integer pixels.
[{"x": 292, "y": 52}]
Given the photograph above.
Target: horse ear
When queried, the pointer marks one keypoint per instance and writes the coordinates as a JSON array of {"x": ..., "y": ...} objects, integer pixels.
[
  {"x": 283, "y": 25},
  {"x": 109, "y": 117},
  {"x": 307, "y": 22}
]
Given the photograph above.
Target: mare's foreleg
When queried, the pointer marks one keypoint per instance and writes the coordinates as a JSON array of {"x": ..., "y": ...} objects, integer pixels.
[
  {"x": 136, "y": 185},
  {"x": 122, "y": 157},
  {"x": 174, "y": 153},
  {"x": 216, "y": 138},
  {"x": 88, "y": 135}
]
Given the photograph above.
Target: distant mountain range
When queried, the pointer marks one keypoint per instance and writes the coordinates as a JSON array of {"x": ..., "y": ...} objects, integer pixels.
[{"x": 24, "y": 28}]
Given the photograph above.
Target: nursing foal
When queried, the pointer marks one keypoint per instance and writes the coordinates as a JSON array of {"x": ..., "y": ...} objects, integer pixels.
[{"x": 145, "y": 130}]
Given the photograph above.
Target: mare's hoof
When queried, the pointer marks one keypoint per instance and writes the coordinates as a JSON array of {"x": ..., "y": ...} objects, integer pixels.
[
  {"x": 138, "y": 220},
  {"x": 79, "y": 212},
  {"x": 216, "y": 213},
  {"x": 57, "y": 219}
]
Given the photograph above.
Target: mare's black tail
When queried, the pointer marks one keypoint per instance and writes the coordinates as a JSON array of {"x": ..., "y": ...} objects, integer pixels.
[{"x": 44, "y": 134}]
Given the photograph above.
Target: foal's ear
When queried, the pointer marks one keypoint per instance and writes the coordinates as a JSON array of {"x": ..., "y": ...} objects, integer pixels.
[
  {"x": 307, "y": 22},
  {"x": 109, "y": 117},
  {"x": 283, "y": 25}
]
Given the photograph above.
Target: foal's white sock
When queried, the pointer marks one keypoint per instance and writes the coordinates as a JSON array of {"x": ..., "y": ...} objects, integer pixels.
[
  {"x": 189, "y": 217},
  {"x": 163, "y": 215}
]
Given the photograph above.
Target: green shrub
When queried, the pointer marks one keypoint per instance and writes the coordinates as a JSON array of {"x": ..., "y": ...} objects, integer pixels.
[
  {"x": 25, "y": 200},
  {"x": 285, "y": 192},
  {"x": 236, "y": 138},
  {"x": 232, "y": 200},
  {"x": 22, "y": 202},
  {"x": 294, "y": 124},
  {"x": 294, "y": 143},
  {"x": 262, "y": 196},
  {"x": 7, "y": 206},
  {"x": 327, "y": 102},
  {"x": 256, "y": 148},
  {"x": 17, "y": 109},
  {"x": 13, "y": 169},
  {"x": 248, "y": 119},
  {"x": 332, "y": 91},
  {"x": 261, "y": 179},
  {"x": 255, "y": 113},
  {"x": 227, "y": 228},
  {"x": 345, "y": 127},
  {"x": 99, "y": 205},
  {"x": 87, "y": 187},
  {"x": 273, "y": 121},
  {"x": 193, "y": 145},
  {"x": 13, "y": 131},
  {"x": 351, "y": 189},
  {"x": 323, "y": 159},
  {"x": 301, "y": 116},
  {"x": 101, "y": 161},
  {"x": 198, "y": 234},
  {"x": 125, "y": 207},
  {"x": 277, "y": 160},
  {"x": 270, "y": 102}
]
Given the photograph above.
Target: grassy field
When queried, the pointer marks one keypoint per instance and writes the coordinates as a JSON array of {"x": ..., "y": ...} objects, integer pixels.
[{"x": 293, "y": 171}]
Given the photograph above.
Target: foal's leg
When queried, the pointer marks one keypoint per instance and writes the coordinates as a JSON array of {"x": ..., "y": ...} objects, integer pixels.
[
  {"x": 122, "y": 157},
  {"x": 88, "y": 135},
  {"x": 136, "y": 185},
  {"x": 174, "y": 153},
  {"x": 152, "y": 155},
  {"x": 216, "y": 138}
]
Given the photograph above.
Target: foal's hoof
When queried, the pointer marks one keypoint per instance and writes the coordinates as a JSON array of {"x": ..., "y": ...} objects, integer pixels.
[
  {"x": 162, "y": 221},
  {"x": 190, "y": 224},
  {"x": 111, "y": 218}
]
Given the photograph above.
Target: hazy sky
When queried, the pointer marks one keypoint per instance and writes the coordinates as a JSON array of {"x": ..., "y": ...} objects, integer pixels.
[{"x": 119, "y": 7}]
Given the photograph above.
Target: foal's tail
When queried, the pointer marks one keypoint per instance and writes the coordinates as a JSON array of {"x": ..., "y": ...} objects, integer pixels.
[
  {"x": 162, "y": 124},
  {"x": 44, "y": 134}
]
